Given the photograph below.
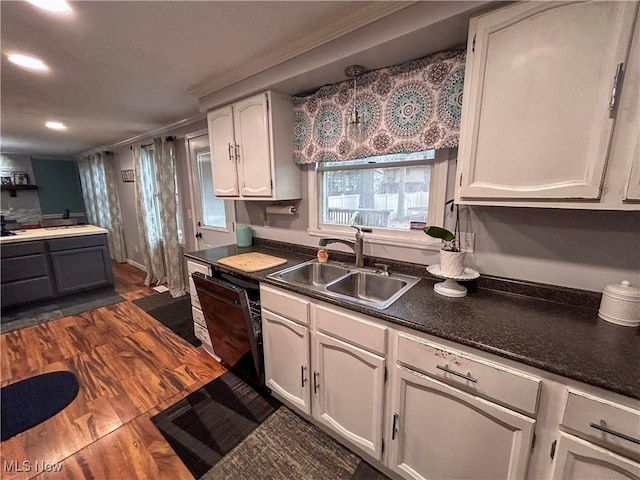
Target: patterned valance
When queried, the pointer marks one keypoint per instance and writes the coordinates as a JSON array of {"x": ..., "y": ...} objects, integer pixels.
[{"x": 407, "y": 108}]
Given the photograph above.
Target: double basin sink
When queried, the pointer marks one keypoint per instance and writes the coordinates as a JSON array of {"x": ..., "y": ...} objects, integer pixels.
[{"x": 360, "y": 286}]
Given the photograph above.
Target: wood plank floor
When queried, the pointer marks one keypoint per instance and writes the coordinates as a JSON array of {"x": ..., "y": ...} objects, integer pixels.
[{"x": 129, "y": 367}]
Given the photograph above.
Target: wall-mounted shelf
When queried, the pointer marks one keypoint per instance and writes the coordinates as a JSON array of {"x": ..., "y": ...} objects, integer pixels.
[{"x": 13, "y": 188}]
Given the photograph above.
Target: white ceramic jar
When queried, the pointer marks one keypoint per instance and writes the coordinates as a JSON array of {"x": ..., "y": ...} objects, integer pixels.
[
  {"x": 621, "y": 304},
  {"x": 451, "y": 263}
]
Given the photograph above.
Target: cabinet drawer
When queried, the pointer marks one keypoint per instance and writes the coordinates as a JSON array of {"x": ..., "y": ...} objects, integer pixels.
[
  {"x": 76, "y": 242},
  {"x": 195, "y": 301},
  {"x": 197, "y": 267},
  {"x": 481, "y": 377},
  {"x": 202, "y": 334},
  {"x": 21, "y": 249},
  {"x": 286, "y": 304},
  {"x": 588, "y": 417},
  {"x": 349, "y": 327},
  {"x": 198, "y": 317},
  {"x": 22, "y": 268},
  {"x": 25, "y": 291}
]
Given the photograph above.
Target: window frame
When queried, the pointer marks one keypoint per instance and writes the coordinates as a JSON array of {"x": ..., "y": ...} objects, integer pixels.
[{"x": 410, "y": 239}]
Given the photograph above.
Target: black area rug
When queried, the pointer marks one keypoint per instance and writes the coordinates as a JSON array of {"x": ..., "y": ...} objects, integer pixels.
[
  {"x": 208, "y": 423},
  {"x": 29, "y": 402},
  {"x": 226, "y": 430},
  {"x": 173, "y": 313},
  {"x": 35, "y": 313}
]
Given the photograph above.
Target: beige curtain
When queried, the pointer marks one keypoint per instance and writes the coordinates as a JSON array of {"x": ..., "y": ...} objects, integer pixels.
[
  {"x": 100, "y": 193},
  {"x": 168, "y": 208},
  {"x": 156, "y": 211},
  {"x": 148, "y": 224}
]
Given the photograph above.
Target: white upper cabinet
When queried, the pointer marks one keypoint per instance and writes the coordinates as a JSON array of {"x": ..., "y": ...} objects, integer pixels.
[
  {"x": 222, "y": 145},
  {"x": 543, "y": 88},
  {"x": 252, "y": 149}
]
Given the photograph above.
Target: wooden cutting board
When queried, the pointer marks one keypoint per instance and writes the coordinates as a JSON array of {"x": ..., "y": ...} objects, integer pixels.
[{"x": 252, "y": 262}]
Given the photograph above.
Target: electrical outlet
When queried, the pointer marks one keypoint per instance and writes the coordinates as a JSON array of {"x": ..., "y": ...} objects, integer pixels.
[{"x": 467, "y": 241}]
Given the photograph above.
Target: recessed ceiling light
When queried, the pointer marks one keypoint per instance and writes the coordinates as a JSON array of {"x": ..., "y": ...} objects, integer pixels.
[
  {"x": 58, "y": 6},
  {"x": 56, "y": 125},
  {"x": 27, "y": 61}
]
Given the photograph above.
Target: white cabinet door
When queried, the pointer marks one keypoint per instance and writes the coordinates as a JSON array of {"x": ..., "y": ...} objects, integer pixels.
[
  {"x": 286, "y": 359},
  {"x": 251, "y": 122},
  {"x": 223, "y": 152},
  {"x": 633, "y": 186},
  {"x": 580, "y": 460},
  {"x": 348, "y": 387},
  {"x": 536, "y": 119},
  {"x": 439, "y": 432}
]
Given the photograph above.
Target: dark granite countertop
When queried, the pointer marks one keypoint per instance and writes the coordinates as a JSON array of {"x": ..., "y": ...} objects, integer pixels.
[{"x": 567, "y": 339}]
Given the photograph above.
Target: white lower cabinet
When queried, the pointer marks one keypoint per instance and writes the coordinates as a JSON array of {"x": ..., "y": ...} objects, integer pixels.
[
  {"x": 580, "y": 460},
  {"x": 440, "y": 432},
  {"x": 600, "y": 439},
  {"x": 199, "y": 324},
  {"x": 286, "y": 359},
  {"x": 342, "y": 387},
  {"x": 418, "y": 407},
  {"x": 348, "y": 391}
]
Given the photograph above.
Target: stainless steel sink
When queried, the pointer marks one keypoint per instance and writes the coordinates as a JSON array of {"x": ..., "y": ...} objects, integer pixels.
[
  {"x": 367, "y": 286},
  {"x": 313, "y": 273},
  {"x": 360, "y": 286}
]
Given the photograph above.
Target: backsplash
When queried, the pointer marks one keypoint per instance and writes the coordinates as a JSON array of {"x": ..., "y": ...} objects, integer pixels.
[
  {"x": 552, "y": 293},
  {"x": 25, "y": 206}
]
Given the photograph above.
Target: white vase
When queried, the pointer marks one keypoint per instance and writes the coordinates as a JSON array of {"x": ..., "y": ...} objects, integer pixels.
[{"x": 451, "y": 263}]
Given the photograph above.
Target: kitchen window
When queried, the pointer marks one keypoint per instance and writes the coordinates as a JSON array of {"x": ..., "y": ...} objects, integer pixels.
[{"x": 394, "y": 195}]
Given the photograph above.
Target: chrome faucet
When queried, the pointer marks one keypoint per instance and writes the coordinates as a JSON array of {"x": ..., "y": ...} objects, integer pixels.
[{"x": 357, "y": 246}]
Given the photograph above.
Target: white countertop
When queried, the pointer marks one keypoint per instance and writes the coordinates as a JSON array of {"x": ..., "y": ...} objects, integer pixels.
[{"x": 53, "y": 232}]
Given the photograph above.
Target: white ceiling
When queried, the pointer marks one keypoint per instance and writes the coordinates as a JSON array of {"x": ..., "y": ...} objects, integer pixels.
[{"x": 120, "y": 69}]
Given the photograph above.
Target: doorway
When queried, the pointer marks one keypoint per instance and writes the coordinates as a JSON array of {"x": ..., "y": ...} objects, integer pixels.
[{"x": 213, "y": 218}]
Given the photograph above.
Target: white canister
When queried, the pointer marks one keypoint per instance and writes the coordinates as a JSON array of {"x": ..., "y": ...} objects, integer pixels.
[
  {"x": 451, "y": 263},
  {"x": 621, "y": 304}
]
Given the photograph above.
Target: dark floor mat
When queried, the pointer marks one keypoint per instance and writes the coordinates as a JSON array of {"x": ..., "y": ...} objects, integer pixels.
[
  {"x": 173, "y": 313},
  {"x": 35, "y": 313},
  {"x": 30, "y": 402},
  {"x": 210, "y": 422}
]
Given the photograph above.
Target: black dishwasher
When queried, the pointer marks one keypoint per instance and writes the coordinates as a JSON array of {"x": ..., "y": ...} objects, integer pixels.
[{"x": 231, "y": 308}]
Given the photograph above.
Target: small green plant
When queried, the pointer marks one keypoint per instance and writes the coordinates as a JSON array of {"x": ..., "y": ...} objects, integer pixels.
[{"x": 443, "y": 234}]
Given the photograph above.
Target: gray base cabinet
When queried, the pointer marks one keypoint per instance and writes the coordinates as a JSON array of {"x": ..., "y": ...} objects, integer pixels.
[
  {"x": 26, "y": 273},
  {"x": 43, "y": 269}
]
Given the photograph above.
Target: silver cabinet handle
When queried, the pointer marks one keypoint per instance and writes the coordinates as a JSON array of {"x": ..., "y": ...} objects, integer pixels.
[
  {"x": 466, "y": 377},
  {"x": 302, "y": 379},
  {"x": 614, "y": 90},
  {"x": 394, "y": 428},
  {"x": 315, "y": 382},
  {"x": 237, "y": 149},
  {"x": 614, "y": 433},
  {"x": 231, "y": 152}
]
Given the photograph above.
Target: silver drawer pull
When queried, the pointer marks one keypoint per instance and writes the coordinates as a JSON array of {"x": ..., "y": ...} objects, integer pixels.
[
  {"x": 614, "y": 90},
  {"x": 466, "y": 377},
  {"x": 614, "y": 433}
]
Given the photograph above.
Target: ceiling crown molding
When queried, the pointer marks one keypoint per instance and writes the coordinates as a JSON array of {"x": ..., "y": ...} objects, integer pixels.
[
  {"x": 150, "y": 133},
  {"x": 362, "y": 15}
]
